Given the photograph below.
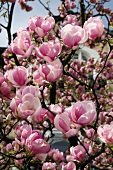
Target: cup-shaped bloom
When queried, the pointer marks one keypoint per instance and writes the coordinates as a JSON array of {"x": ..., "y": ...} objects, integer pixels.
[
  {"x": 105, "y": 133},
  {"x": 38, "y": 79},
  {"x": 26, "y": 103},
  {"x": 23, "y": 131},
  {"x": 17, "y": 76},
  {"x": 82, "y": 113},
  {"x": 36, "y": 144},
  {"x": 34, "y": 90},
  {"x": 73, "y": 35},
  {"x": 40, "y": 115},
  {"x": 22, "y": 45},
  {"x": 41, "y": 25},
  {"x": 63, "y": 123},
  {"x": 7, "y": 90},
  {"x": 29, "y": 105},
  {"x": 68, "y": 166},
  {"x": 51, "y": 71},
  {"x": 49, "y": 165},
  {"x": 49, "y": 50},
  {"x": 56, "y": 155},
  {"x": 78, "y": 153},
  {"x": 94, "y": 27}
]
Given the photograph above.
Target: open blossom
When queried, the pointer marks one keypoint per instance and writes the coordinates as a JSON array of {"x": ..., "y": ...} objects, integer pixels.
[
  {"x": 69, "y": 166},
  {"x": 27, "y": 104},
  {"x": 105, "y": 133},
  {"x": 38, "y": 79},
  {"x": 17, "y": 76},
  {"x": 73, "y": 35},
  {"x": 78, "y": 153},
  {"x": 22, "y": 45},
  {"x": 49, "y": 166},
  {"x": 56, "y": 155},
  {"x": 82, "y": 113},
  {"x": 37, "y": 146},
  {"x": 94, "y": 27},
  {"x": 7, "y": 90},
  {"x": 33, "y": 141},
  {"x": 41, "y": 25},
  {"x": 49, "y": 50},
  {"x": 51, "y": 71},
  {"x": 63, "y": 124}
]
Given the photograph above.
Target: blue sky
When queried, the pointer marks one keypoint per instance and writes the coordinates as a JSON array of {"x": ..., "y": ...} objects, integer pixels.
[{"x": 21, "y": 17}]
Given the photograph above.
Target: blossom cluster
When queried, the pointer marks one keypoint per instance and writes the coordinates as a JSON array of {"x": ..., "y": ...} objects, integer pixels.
[{"x": 43, "y": 87}]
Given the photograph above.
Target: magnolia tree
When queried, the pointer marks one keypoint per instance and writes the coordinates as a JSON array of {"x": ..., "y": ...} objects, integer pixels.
[{"x": 43, "y": 86}]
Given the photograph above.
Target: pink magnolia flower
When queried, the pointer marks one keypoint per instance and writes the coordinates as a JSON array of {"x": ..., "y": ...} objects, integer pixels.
[
  {"x": 56, "y": 155},
  {"x": 36, "y": 144},
  {"x": 51, "y": 71},
  {"x": 63, "y": 124},
  {"x": 23, "y": 130},
  {"x": 73, "y": 35},
  {"x": 41, "y": 25},
  {"x": 38, "y": 79},
  {"x": 7, "y": 90},
  {"x": 27, "y": 103},
  {"x": 94, "y": 27},
  {"x": 49, "y": 166},
  {"x": 105, "y": 133},
  {"x": 49, "y": 50},
  {"x": 69, "y": 166},
  {"x": 40, "y": 115},
  {"x": 82, "y": 113},
  {"x": 78, "y": 153},
  {"x": 17, "y": 76},
  {"x": 22, "y": 45}
]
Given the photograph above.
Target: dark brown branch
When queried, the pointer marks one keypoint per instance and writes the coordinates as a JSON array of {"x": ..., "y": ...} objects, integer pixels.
[
  {"x": 82, "y": 9},
  {"x": 10, "y": 22}
]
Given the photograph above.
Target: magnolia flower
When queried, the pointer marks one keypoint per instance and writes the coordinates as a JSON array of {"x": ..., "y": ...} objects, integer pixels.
[
  {"x": 22, "y": 45},
  {"x": 105, "y": 133},
  {"x": 82, "y": 113},
  {"x": 51, "y": 71},
  {"x": 63, "y": 124},
  {"x": 49, "y": 165},
  {"x": 49, "y": 50},
  {"x": 73, "y": 35},
  {"x": 41, "y": 25},
  {"x": 94, "y": 27},
  {"x": 78, "y": 153},
  {"x": 27, "y": 103},
  {"x": 69, "y": 166},
  {"x": 17, "y": 76}
]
